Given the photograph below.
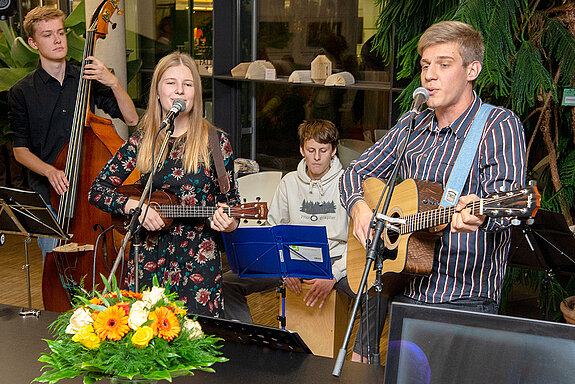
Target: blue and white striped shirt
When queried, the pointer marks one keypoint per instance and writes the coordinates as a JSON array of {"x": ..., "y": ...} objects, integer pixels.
[{"x": 465, "y": 264}]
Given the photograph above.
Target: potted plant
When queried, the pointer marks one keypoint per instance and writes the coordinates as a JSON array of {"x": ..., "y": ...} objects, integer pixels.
[{"x": 567, "y": 307}]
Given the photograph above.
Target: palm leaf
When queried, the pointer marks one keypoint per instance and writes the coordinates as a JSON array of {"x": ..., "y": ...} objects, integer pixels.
[{"x": 530, "y": 78}]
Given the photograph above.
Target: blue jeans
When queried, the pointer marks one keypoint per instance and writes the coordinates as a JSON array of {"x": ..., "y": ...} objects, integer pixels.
[{"x": 47, "y": 244}]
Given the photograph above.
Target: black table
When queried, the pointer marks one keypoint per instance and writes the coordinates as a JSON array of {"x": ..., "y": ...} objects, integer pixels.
[{"x": 21, "y": 344}]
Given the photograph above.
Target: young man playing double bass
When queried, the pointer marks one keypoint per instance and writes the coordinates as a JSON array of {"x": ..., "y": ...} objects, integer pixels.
[
  {"x": 42, "y": 103},
  {"x": 469, "y": 259}
]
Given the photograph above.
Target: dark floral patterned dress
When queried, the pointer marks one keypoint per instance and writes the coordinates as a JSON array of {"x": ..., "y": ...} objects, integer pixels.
[{"x": 188, "y": 253}]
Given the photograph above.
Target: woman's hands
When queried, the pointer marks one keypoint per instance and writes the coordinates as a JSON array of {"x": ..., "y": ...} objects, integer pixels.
[{"x": 222, "y": 222}]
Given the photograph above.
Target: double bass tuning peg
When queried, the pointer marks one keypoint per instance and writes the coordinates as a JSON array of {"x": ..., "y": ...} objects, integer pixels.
[{"x": 114, "y": 25}]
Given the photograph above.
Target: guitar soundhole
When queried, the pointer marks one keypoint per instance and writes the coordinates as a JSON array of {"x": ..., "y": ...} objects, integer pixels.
[{"x": 392, "y": 236}]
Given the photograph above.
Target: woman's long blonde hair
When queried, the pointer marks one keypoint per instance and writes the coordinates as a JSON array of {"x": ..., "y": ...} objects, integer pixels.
[{"x": 195, "y": 141}]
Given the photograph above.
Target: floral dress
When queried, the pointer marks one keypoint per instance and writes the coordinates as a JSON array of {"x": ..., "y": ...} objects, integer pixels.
[{"x": 188, "y": 253}]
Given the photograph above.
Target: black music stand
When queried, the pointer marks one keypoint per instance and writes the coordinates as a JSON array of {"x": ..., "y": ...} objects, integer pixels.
[
  {"x": 25, "y": 213},
  {"x": 544, "y": 243}
]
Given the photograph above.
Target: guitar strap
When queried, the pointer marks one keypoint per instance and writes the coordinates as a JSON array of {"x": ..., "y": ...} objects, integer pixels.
[
  {"x": 462, "y": 166},
  {"x": 214, "y": 144}
]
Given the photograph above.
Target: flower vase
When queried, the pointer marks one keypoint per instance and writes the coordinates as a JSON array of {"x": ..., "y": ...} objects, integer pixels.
[{"x": 125, "y": 380}]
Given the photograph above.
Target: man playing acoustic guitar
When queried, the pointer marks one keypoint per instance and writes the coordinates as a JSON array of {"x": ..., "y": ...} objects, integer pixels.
[{"x": 469, "y": 258}]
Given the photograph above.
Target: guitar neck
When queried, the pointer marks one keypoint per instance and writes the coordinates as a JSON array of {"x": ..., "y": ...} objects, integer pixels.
[{"x": 435, "y": 218}]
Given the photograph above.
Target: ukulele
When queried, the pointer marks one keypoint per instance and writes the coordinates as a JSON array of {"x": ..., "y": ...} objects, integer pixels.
[{"x": 169, "y": 207}]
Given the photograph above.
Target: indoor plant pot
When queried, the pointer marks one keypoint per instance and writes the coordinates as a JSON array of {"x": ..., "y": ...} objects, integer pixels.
[{"x": 568, "y": 308}]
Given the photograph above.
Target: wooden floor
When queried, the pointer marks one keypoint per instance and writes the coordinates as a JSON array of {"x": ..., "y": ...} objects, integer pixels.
[
  {"x": 13, "y": 282},
  {"x": 14, "y": 291}
]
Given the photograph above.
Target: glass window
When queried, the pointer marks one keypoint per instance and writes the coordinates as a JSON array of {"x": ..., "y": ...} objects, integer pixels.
[
  {"x": 290, "y": 35},
  {"x": 175, "y": 27}
]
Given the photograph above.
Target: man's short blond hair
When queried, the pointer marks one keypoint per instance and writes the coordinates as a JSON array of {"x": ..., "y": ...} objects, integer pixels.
[
  {"x": 40, "y": 14},
  {"x": 468, "y": 39}
]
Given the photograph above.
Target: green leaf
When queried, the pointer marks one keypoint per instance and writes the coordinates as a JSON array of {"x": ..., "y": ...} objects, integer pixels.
[
  {"x": 132, "y": 69},
  {"x": 23, "y": 54},
  {"x": 8, "y": 32},
  {"x": 76, "y": 20},
  {"x": 10, "y": 76},
  {"x": 76, "y": 45},
  {"x": 159, "y": 375}
]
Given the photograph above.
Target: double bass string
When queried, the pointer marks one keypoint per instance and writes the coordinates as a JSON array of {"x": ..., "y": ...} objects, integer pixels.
[{"x": 67, "y": 201}]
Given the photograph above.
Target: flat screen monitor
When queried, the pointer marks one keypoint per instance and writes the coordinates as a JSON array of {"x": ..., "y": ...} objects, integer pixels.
[{"x": 434, "y": 345}]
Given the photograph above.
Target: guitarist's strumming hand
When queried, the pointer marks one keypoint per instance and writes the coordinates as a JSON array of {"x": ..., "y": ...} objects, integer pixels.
[
  {"x": 152, "y": 220},
  {"x": 361, "y": 215},
  {"x": 463, "y": 220}
]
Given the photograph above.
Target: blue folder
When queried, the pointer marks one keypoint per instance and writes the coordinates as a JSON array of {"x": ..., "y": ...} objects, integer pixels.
[{"x": 279, "y": 251}]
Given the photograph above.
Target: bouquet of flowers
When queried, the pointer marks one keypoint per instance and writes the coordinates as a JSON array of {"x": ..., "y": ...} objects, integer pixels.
[{"x": 124, "y": 334}]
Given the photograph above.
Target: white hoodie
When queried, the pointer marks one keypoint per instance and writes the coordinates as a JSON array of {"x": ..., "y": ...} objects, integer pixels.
[{"x": 301, "y": 200}]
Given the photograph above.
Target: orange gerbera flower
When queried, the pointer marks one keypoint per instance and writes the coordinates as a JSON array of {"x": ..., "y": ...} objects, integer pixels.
[
  {"x": 111, "y": 323},
  {"x": 165, "y": 323},
  {"x": 132, "y": 294},
  {"x": 96, "y": 301}
]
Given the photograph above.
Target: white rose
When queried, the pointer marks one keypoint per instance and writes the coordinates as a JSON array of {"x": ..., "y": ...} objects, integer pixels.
[
  {"x": 138, "y": 315},
  {"x": 195, "y": 329},
  {"x": 153, "y": 296},
  {"x": 79, "y": 318}
]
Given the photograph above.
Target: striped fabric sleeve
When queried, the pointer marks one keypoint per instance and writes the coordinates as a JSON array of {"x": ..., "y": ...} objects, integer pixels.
[{"x": 502, "y": 160}]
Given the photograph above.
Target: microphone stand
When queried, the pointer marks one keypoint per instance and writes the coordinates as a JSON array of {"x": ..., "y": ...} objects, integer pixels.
[
  {"x": 135, "y": 226},
  {"x": 374, "y": 254}
]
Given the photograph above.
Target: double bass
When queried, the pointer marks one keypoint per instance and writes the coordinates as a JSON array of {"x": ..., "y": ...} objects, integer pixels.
[{"x": 93, "y": 141}]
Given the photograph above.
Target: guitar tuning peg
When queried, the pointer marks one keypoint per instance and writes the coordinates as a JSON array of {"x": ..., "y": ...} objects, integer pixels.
[
  {"x": 533, "y": 183},
  {"x": 516, "y": 222}
]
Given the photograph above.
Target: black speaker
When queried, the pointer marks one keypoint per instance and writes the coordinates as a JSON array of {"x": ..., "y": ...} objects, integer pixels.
[{"x": 7, "y": 8}]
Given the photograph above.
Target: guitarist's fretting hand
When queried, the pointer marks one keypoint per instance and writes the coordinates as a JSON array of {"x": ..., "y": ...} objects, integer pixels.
[
  {"x": 153, "y": 221},
  {"x": 361, "y": 215},
  {"x": 463, "y": 220}
]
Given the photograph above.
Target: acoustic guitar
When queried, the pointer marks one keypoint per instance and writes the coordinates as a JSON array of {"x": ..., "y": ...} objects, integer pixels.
[
  {"x": 169, "y": 207},
  {"x": 419, "y": 220}
]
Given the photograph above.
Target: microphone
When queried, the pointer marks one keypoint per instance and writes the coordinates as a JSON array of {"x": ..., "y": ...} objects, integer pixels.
[
  {"x": 177, "y": 107},
  {"x": 420, "y": 96}
]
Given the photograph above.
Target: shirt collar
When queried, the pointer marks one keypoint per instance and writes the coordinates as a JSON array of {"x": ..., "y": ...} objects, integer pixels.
[
  {"x": 462, "y": 124},
  {"x": 71, "y": 71}
]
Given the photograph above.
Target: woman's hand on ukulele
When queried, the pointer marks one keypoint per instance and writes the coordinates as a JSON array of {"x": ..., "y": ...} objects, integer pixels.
[
  {"x": 149, "y": 218},
  {"x": 222, "y": 222}
]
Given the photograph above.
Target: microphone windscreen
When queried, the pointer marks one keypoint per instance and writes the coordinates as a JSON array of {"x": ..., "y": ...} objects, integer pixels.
[
  {"x": 421, "y": 91},
  {"x": 180, "y": 104}
]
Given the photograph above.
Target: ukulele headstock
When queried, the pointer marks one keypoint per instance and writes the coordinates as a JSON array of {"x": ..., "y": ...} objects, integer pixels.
[{"x": 255, "y": 211}]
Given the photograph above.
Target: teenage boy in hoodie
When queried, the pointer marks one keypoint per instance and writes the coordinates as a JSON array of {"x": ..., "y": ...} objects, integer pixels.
[{"x": 308, "y": 196}]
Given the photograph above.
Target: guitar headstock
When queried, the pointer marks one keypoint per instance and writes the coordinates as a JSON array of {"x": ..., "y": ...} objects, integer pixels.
[
  {"x": 522, "y": 202},
  {"x": 256, "y": 211}
]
